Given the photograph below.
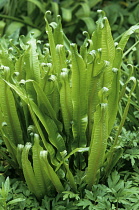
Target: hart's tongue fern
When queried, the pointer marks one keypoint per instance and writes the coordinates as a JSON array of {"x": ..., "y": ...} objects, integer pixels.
[{"x": 71, "y": 98}]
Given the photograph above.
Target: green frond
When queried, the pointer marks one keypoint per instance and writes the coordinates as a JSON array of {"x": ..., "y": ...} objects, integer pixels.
[
  {"x": 38, "y": 167},
  {"x": 9, "y": 114},
  {"x": 79, "y": 98},
  {"x": 29, "y": 173},
  {"x": 126, "y": 36},
  {"x": 51, "y": 173},
  {"x": 65, "y": 100},
  {"x": 113, "y": 98},
  {"x": 98, "y": 140}
]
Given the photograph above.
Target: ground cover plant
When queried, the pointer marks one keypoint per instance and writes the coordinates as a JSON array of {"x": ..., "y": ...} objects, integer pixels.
[
  {"x": 58, "y": 107},
  {"x": 117, "y": 195}
]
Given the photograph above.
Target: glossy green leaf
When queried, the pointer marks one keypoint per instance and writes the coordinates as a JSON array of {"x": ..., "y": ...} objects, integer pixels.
[
  {"x": 65, "y": 100},
  {"x": 39, "y": 172},
  {"x": 58, "y": 32},
  {"x": 9, "y": 114},
  {"x": 29, "y": 173},
  {"x": 103, "y": 41},
  {"x": 62, "y": 60},
  {"x": 45, "y": 105},
  {"x": 52, "y": 43},
  {"x": 79, "y": 98},
  {"x": 126, "y": 36},
  {"x": 111, "y": 156},
  {"x": 113, "y": 98},
  {"x": 51, "y": 173},
  {"x": 36, "y": 149},
  {"x": 98, "y": 140},
  {"x": 19, "y": 154}
]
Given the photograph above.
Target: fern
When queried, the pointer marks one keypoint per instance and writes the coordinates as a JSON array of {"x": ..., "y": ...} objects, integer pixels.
[{"x": 70, "y": 98}]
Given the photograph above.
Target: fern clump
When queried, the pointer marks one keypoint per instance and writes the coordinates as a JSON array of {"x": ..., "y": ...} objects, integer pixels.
[{"x": 59, "y": 104}]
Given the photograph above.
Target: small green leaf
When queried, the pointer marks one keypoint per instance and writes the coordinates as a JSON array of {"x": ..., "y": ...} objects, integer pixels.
[
  {"x": 17, "y": 200},
  {"x": 69, "y": 194}
]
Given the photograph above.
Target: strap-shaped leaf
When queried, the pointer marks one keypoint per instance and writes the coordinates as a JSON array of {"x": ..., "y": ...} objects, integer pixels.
[
  {"x": 79, "y": 98},
  {"x": 62, "y": 60},
  {"x": 94, "y": 84},
  {"x": 51, "y": 89},
  {"x": 93, "y": 102},
  {"x": 9, "y": 114},
  {"x": 113, "y": 98},
  {"x": 43, "y": 181},
  {"x": 58, "y": 32},
  {"x": 29, "y": 173},
  {"x": 97, "y": 36},
  {"x": 31, "y": 61},
  {"x": 111, "y": 153},
  {"x": 50, "y": 172},
  {"x": 126, "y": 36},
  {"x": 65, "y": 100},
  {"x": 55, "y": 98},
  {"x": 19, "y": 154},
  {"x": 20, "y": 67},
  {"x": 52, "y": 44},
  {"x": 102, "y": 40},
  {"x": 100, "y": 62},
  {"x": 98, "y": 141},
  {"x": 108, "y": 50},
  {"x": 45, "y": 105}
]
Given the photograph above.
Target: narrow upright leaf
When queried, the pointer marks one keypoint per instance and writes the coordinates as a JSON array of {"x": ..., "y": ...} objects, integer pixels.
[
  {"x": 98, "y": 140},
  {"x": 50, "y": 172},
  {"x": 29, "y": 173},
  {"x": 65, "y": 100},
  {"x": 79, "y": 98},
  {"x": 9, "y": 114},
  {"x": 113, "y": 98},
  {"x": 126, "y": 36}
]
